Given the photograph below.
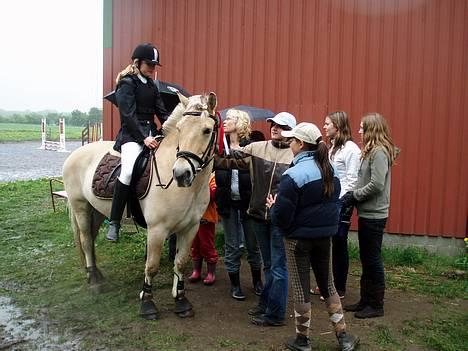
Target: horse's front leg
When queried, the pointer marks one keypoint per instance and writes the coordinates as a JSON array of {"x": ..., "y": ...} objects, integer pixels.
[
  {"x": 183, "y": 307},
  {"x": 155, "y": 241}
]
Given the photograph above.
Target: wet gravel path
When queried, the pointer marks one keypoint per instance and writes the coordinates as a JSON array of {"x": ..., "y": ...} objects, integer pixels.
[{"x": 24, "y": 161}]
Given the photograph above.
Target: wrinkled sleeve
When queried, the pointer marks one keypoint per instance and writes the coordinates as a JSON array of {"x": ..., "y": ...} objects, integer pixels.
[
  {"x": 379, "y": 169},
  {"x": 282, "y": 213},
  {"x": 126, "y": 100},
  {"x": 238, "y": 159}
]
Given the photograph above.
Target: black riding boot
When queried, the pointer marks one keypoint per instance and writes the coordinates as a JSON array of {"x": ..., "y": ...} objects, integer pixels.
[
  {"x": 119, "y": 200},
  {"x": 257, "y": 280},
  {"x": 376, "y": 301},
  {"x": 363, "y": 301},
  {"x": 236, "y": 292}
]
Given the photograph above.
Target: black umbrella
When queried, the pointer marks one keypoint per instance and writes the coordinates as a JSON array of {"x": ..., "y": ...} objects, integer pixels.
[
  {"x": 255, "y": 113},
  {"x": 168, "y": 93}
]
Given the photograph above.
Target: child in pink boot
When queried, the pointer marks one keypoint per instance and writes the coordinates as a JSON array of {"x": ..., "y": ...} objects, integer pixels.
[{"x": 203, "y": 245}]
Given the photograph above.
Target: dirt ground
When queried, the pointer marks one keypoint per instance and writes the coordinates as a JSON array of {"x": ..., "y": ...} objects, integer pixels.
[
  {"x": 222, "y": 323},
  {"x": 220, "y": 317}
]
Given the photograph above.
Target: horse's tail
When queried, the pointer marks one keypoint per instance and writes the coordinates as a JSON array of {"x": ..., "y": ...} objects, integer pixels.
[{"x": 76, "y": 235}]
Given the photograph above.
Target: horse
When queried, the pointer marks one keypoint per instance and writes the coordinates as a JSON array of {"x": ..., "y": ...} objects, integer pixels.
[{"x": 184, "y": 155}]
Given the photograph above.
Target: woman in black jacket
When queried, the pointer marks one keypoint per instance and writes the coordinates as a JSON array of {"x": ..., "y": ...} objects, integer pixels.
[
  {"x": 233, "y": 191},
  {"x": 139, "y": 101}
]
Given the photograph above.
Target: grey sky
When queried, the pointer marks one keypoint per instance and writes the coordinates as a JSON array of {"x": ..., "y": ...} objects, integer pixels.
[{"x": 51, "y": 55}]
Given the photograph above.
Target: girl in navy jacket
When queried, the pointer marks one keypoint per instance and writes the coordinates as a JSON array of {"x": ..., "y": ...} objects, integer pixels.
[{"x": 306, "y": 211}]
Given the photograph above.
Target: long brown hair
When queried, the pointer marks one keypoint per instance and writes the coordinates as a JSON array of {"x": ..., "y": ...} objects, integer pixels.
[
  {"x": 375, "y": 133},
  {"x": 324, "y": 165},
  {"x": 343, "y": 131}
]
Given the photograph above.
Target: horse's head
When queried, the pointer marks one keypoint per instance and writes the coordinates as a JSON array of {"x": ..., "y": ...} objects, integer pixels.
[{"x": 198, "y": 131}]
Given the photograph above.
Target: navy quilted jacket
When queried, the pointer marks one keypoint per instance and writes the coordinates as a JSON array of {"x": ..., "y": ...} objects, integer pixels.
[{"x": 301, "y": 210}]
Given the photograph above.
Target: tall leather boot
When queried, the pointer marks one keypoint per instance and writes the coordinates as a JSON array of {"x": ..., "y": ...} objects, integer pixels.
[
  {"x": 257, "y": 280},
  {"x": 196, "y": 274},
  {"x": 375, "y": 306},
  {"x": 210, "y": 277},
  {"x": 119, "y": 201},
  {"x": 236, "y": 292},
  {"x": 364, "y": 300}
]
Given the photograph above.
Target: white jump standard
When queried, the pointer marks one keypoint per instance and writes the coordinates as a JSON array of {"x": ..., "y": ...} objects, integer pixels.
[{"x": 53, "y": 145}]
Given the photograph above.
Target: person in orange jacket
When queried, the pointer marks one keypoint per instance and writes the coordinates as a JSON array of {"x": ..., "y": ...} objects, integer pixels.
[{"x": 203, "y": 245}]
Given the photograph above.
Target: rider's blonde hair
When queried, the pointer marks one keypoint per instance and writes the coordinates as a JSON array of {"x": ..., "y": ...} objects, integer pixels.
[
  {"x": 242, "y": 123},
  {"x": 130, "y": 69},
  {"x": 375, "y": 133}
]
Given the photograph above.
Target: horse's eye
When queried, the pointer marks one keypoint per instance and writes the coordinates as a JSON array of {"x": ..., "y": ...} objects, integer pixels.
[{"x": 206, "y": 131}]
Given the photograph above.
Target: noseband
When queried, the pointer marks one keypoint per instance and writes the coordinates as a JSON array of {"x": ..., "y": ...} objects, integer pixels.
[{"x": 208, "y": 154}]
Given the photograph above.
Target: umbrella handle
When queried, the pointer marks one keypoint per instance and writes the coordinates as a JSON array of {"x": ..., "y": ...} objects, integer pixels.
[{"x": 226, "y": 146}]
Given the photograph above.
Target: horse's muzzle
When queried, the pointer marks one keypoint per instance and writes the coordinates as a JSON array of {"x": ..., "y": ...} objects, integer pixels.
[{"x": 182, "y": 175}]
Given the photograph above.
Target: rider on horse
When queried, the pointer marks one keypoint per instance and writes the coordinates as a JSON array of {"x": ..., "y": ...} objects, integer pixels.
[{"x": 138, "y": 99}]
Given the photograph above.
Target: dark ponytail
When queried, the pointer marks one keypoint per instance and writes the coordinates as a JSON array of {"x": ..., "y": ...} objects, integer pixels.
[{"x": 326, "y": 169}]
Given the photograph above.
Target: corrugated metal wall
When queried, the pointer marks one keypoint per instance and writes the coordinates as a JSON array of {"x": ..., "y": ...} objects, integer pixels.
[{"x": 405, "y": 59}]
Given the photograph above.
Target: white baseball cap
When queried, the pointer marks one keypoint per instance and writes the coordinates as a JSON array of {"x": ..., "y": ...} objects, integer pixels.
[
  {"x": 284, "y": 119},
  {"x": 307, "y": 132}
]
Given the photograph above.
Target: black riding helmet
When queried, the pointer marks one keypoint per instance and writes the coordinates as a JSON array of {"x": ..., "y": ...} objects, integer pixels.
[{"x": 147, "y": 52}]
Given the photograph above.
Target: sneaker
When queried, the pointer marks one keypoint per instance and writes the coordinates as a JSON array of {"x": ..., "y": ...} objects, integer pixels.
[
  {"x": 339, "y": 294},
  {"x": 300, "y": 343},
  {"x": 348, "y": 342},
  {"x": 315, "y": 291},
  {"x": 256, "y": 311}
]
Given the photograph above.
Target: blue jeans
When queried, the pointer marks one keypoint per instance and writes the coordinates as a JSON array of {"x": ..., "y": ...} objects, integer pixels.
[
  {"x": 275, "y": 292},
  {"x": 233, "y": 227},
  {"x": 340, "y": 249}
]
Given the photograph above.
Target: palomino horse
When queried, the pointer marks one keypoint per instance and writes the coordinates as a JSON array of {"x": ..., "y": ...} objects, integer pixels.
[{"x": 184, "y": 155}]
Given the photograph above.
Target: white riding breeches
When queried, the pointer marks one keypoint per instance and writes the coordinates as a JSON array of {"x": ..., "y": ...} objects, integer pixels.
[{"x": 129, "y": 153}]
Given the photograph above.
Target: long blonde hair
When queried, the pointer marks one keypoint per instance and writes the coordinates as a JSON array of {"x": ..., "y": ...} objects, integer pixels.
[
  {"x": 375, "y": 133},
  {"x": 242, "y": 123},
  {"x": 130, "y": 69}
]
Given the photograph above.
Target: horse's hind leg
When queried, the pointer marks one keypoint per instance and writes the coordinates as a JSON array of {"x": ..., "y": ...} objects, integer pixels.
[
  {"x": 86, "y": 222},
  {"x": 183, "y": 307}
]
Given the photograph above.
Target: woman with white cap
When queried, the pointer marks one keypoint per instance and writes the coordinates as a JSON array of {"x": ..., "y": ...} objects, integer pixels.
[
  {"x": 306, "y": 211},
  {"x": 139, "y": 101},
  {"x": 267, "y": 160}
]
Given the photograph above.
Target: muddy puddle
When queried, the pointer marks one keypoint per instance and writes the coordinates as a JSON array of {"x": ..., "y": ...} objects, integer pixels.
[{"x": 18, "y": 333}]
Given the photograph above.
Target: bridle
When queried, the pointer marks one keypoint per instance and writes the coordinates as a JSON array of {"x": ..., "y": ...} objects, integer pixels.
[
  {"x": 209, "y": 152},
  {"x": 202, "y": 161}
]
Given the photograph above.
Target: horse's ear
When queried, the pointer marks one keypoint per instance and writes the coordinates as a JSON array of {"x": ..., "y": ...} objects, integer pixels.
[
  {"x": 184, "y": 100},
  {"x": 212, "y": 102}
]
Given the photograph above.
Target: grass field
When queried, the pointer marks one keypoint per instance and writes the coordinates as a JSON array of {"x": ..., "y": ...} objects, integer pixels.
[
  {"x": 12, "y": 132},
  {"x": 41, "y": 272}
]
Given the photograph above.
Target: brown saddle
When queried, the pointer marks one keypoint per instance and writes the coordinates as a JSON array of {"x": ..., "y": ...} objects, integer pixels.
[{"x": 107, "y": 172}]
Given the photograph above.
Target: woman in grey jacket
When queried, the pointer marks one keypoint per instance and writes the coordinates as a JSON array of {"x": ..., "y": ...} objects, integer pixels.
[{"x": 372, "y": 198}]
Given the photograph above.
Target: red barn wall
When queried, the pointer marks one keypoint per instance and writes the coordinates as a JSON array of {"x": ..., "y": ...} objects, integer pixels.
[{"x": 405, "y": 59}]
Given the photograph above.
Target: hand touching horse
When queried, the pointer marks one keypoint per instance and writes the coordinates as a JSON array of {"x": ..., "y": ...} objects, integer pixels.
[{"x": 184, "y": 155}]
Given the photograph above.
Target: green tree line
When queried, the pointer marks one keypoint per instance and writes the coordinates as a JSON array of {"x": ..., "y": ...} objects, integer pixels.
[{"x": 75, "y": 118}]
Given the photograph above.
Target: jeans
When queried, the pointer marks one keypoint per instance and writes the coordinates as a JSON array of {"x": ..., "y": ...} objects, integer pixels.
[
  {"x": 370, "y": 235},
  {"x": 275, "y": 292},
  {"x": 233, "y": 227}
]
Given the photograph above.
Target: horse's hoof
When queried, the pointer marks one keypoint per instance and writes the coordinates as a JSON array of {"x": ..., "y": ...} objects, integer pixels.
[
  {"x": 186, "y": 314},
  {"x": 148, "y": 310}
]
